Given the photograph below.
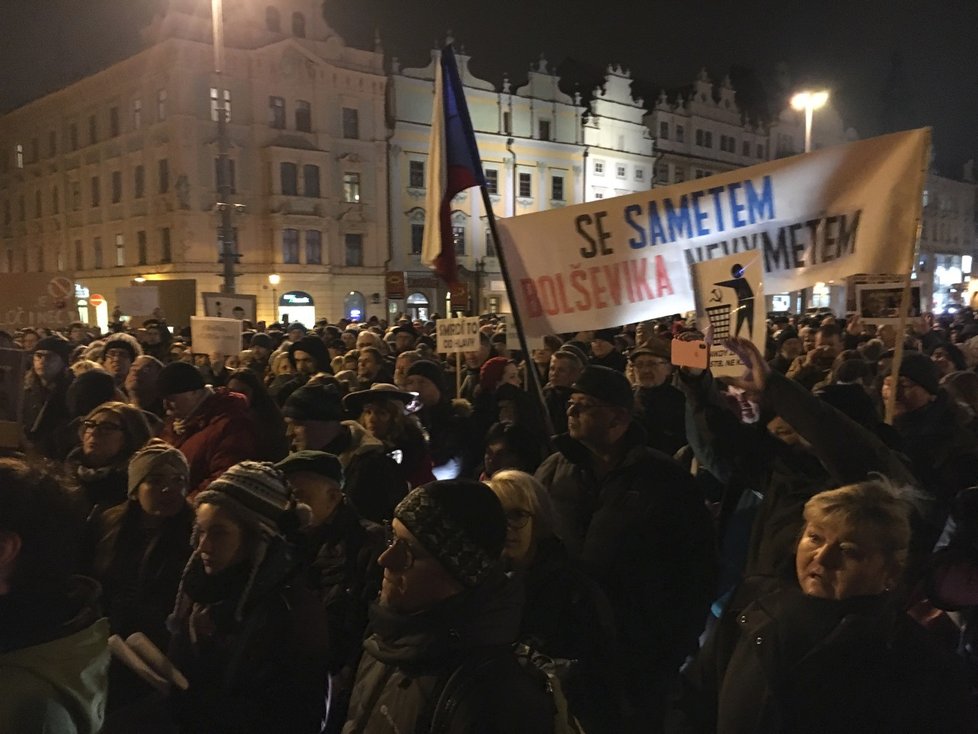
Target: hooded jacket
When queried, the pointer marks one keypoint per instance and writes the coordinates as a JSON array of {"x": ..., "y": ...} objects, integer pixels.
[
  {"x": 58, "y": 681},
  {"x": 409, "y": 658},
  {"x": 218, "y": 435}
]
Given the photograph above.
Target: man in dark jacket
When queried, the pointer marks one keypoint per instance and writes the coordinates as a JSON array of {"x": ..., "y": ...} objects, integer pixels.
[
  {"x": 373, "y": 481},
  {"x": 604, "y": 351},
  {"x": 661, "y": 406},
  {"x": 212, "y": 427},
  {"x": 636, "y": 521},
  {"x": 45, "y": 412},
  {"x": 307, "y": 356},
  {"x": 439, "y": 655},
  {"x": 448, "y": 422}
]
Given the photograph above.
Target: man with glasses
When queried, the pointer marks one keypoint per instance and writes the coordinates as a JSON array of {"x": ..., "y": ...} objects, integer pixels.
[
  {"x": 661, "y": 407},
  {"x": 118, "y": 354},
  {"x": 637, "y": 523},
  {"x": 439, "y": 656},
  {"x": 45, "y": 411}
]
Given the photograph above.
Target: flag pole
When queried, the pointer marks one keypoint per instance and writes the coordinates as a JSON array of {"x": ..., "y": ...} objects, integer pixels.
[{"x": 534, "y": 377}]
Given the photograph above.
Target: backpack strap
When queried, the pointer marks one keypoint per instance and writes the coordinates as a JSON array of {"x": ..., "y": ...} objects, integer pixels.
[{"x": 449, "y": 691}]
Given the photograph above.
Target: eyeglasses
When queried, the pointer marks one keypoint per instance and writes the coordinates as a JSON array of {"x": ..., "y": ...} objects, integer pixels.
[
  {"x": 99, "y": 429},
  {"x": 399, "y": 555},
  {"x": 517, "y": 519},
  {"x": 574, "y": 407}
]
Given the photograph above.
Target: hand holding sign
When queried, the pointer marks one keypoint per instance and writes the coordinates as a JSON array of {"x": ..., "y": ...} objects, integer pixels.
[{"x": 754, "y": 379}]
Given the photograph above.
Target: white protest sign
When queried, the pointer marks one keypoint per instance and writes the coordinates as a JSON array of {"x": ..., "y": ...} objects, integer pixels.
[
  {"x": 138, "y": 300},
  {"x": 458, "y": 335},
  {"x": 210, "y": 334},
  {"x": 730, "y": 300},
  {"x": 879, "y": 303},
  {"x": 815, "y": 217}
]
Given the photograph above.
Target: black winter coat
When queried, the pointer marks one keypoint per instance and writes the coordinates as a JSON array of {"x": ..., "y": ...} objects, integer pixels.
[{"x": 788, "y": 663}]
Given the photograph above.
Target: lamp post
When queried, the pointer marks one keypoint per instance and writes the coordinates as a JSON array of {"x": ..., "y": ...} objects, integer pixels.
[
  {"x": 809, "y": 102},
  {"x": 273, "y": 280},
  {"x": 228, "y": 255}
]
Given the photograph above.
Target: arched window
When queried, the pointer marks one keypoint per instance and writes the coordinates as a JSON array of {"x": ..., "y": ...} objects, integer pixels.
[
  {"x": 298, "y": 25},
  {"x": 418, "y": 306},
  {"x": 273, "y": 20},
  {"x": 355, "y": 306}
]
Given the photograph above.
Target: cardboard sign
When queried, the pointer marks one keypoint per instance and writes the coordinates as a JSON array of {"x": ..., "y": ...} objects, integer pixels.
[
  {"x": 211, "y": 335},
  {"x": 730, "y": 302},
  {"x": 458, "y": 335},
  {"x": 230, "y": 305},
  {"x": 138, "y": 300},
  {"x": 879, "y": 303},
  {"x": 36, "y": 300}
]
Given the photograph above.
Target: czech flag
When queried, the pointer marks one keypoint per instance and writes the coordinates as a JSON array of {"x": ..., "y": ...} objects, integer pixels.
[{"x": 453, "y": 166}]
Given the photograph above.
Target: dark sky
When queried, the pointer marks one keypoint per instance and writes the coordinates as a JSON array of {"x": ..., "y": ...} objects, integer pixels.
[{"x": 889, "y": 63}]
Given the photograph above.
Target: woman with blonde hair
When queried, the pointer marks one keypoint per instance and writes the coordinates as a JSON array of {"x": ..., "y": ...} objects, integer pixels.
[
  {"x": 830, "y": 650},
  {"x": 566, "y": 616}
]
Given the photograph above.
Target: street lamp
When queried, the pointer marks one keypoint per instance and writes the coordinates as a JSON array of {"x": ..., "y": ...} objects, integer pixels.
[
  {"x": 228, "y": 255},
  {"x": 273, "y": 280},
  {"x": 809, "y": 102}
]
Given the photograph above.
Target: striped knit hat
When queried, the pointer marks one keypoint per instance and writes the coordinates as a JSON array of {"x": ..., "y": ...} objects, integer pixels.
[{"x": 258, "y": 495}]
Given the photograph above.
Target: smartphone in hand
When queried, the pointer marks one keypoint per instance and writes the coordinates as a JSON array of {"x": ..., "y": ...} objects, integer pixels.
[{"x": 692, "y": 353}]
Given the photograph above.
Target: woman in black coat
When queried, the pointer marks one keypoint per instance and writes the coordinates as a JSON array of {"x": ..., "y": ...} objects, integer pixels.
[{"x": 830, "y": 650}]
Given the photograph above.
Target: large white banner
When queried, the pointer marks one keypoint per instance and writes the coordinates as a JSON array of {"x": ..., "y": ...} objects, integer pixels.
[{"x": 815, "y": 217}]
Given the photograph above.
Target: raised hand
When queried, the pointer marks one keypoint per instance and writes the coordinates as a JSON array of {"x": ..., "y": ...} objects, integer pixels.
[{"x": 756, "y": 370}]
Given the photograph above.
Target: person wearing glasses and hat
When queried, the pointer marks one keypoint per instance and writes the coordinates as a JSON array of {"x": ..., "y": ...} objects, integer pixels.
[
  {"x": 439, "y": 655},
  {"x": 46, "y": 386},
  {"x": 660, "y": 406},
  {"x": 635, "y": 520}
]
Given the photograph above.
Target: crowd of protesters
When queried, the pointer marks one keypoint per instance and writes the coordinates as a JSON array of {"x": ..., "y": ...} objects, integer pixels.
[{"x": 339, "y": 529}]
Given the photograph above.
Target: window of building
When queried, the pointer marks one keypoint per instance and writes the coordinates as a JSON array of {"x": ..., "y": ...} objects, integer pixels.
[
  {"x": 598, "y": 195},
  {"x": 276, "y": 113},
  {"x": 116, "y": 187},
  {"x": 120, "y": 251},
  {"x": 543, "y": 129},
  {"x": 166, "y": 251},
  {"x": 662, "y": 173},
  {"x": 290, "y": 246},
  {"x": 96, "y": 192},
  {"x": 73, "y": 136},
  {"x": 273, "y": 20},
  {"x": 215, "y": 105},
  {"x": 557, "y": 188},
  {"x": 492, "y": 180},
  {"x": 163, "y": 175},
  {"x": 113, "y": 122},
  {"x": 314, "y": 247},
  {"x": 303, "y": 116},
  {"x": 97, "y": 248},
  {"x": 680, "y": 175},
  {"x": 526, "y": 185},
  {"x": 142, "y": 255},
  {"x": 458, "y": 238},
  {"x": 490, "y": 244},
  {"x": 680, "y": 134},
  {"x": 664, "y": 130},
  {"x": 137, "y": 113},
  {"x": 75, "y": 193},
  {"x": 139, "y": 182},
  {"x": 38, "y": 210},
  {"x": 416, "y": 174},
  {"x": 19, "y": 155},
  {"x": 310, "y": 181},
  {"x": 161, "y": 105},
  {"x": 79, "y": 256},
  {"x": 92, "y": 129},
  {"x": 417, "y": 238},
  {"x": 760, "y": 151},
  {"x": 52, "y": 144},
  {"x": 701, "y": 173},
  {"x": 704, "y": 138},
  {"x": 354, "y": 249},
  {"x": 351, "y": 123},
  {"x": 298, "y": 25},
  {"x": 290, "y": 179},
  {"x": 620, "y": 170},
  {"x": 508, "y": 123},
  {"x": 639, "y": 173},
  {"x": 351, "y": 187},
  {"x": 598, "y": 167}
]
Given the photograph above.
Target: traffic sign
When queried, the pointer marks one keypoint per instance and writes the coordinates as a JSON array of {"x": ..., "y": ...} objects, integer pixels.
[{"x": 96, "y": 300}]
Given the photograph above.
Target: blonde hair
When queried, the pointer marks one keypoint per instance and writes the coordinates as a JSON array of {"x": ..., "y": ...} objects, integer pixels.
[
  {"x": 874, "y": 506},
  {"x": 524, "y": 490}
]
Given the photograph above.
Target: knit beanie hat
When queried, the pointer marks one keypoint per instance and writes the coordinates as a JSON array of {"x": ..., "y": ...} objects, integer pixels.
[
  {"x": 606, "y": 335},
  {"x": 317, "y": 462},
  {"x": 258, "y": 496},
  {"x": 429, "y": 370},
  {"x": 123, "y": 341},
  {"x": 88, "y": 391},
  {"x": 56, "y": 344},
  {"x": 313, "y": 346},
  {"x": 262, "y": 340},
  {"x": 178, "y": 377},
  {"x": 607, "y": 385},
  {"x": 920, "y": 369},
  {"x": 155, "y": 455},
  {"x": 492, "y": 372},
  {"x": 314, "y": 403},
  {"x": 461, "y": 523}
]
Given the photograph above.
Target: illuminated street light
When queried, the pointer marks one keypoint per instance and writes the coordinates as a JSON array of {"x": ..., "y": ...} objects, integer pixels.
[
  {"x": 273, "y": 280},
  {"x": 809, "y": 102}
]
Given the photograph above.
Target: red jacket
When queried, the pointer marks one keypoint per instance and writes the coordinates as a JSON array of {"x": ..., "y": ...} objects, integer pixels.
[{"x": 219, "y": 435}]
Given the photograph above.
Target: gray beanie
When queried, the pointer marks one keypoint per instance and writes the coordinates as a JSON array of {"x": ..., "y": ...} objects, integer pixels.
[{"x": 155, "y": 455}]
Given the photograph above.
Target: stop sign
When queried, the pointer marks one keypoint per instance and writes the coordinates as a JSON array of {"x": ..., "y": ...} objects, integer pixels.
[{"x": 96, "y": 300}]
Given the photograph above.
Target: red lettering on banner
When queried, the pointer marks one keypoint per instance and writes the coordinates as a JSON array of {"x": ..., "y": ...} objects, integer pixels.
[
  {"x": 577, "y": 277},
  {"x": 562, "y": 296},
  {"x": 548, "y": 295},
  {"x": 637, "y": 272},
  {"x": 614, "y": 283},
  {"x": 596, "y": 288},
  {"x": 530, "y": 298},
  {"x": 662, "y": 281}
]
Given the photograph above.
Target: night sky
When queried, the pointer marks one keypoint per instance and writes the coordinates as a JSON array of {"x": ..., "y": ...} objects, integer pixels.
[{"x": 891, "y": 64}]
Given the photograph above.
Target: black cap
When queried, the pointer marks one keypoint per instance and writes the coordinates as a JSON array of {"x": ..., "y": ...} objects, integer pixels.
[
  {"x": 607, "y": 385},
  {"x": 178, "y": 377},
  {"x": 314, "y": 403},
  {"x": 317, "y": 462},
  {"x": 921, "y": 369},
  {"x": 58, "y": 345}
]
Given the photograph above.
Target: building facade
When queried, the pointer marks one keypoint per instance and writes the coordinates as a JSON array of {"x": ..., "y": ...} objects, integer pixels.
[
  {"x": 113, "y": 178},
  {"x": 948, "y": 240}
]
